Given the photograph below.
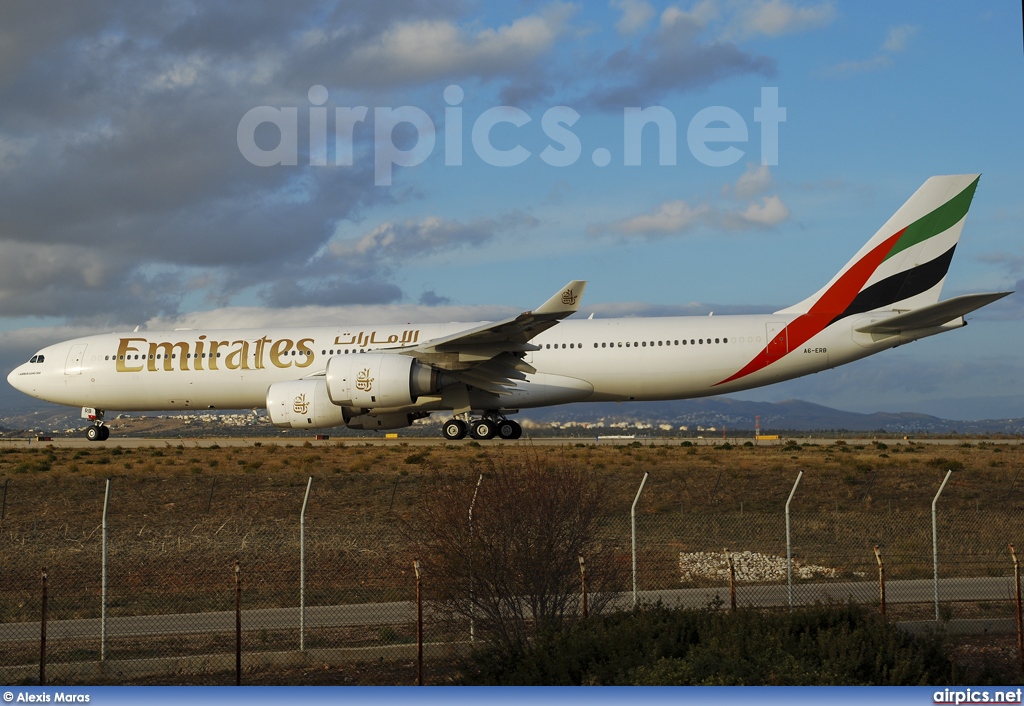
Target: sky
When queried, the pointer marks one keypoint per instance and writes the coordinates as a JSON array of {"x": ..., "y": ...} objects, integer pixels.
[{"x": 330, "y": 162}]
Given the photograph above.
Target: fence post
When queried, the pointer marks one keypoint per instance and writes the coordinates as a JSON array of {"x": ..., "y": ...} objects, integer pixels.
[
  {"x": 419, "y": 625},
  {"x": 302, "y": 568},
  {"x": 1020, "y": 622},
  {"x": 238, "y": 625},
  {"x": 632, "y": 519},
  {"x": 732, "y": 581},
  {"x": 103, "y": 578},
  {"x": 42, "y": 634},
  {"x": 583, "y": 584},
  {"x": 472, "y": 592},
  {"x": 881, "y": 582},
  {"x": 935, "y": 543},
  {"x": 789, "y": 545}
]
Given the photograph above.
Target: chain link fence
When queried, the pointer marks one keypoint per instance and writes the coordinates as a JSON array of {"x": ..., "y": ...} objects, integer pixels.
[{"x": 341, "y": 590}]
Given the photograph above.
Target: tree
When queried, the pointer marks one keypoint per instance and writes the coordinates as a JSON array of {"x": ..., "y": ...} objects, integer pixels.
[{"x": 510, "y": 567}]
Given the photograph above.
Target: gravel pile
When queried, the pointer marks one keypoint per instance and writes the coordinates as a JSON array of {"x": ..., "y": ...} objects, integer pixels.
[{"x": 750, "y": 566}]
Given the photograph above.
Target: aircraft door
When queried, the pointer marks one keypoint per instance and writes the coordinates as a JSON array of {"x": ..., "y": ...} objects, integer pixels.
[
  {"x": 73, "y": 365},
  {"x": 778, "y": 344}
]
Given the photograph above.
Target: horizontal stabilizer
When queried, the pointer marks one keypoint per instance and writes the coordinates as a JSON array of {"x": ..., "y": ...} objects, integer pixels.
[{"x": 934, "y": 314}]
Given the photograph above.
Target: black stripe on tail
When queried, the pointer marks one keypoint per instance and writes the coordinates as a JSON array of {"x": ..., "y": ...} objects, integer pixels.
[{"x": 900, "y": 286}]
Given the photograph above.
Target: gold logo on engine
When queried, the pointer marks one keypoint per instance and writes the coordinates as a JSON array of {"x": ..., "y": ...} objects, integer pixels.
[
  {"x": 300, "y": 405},
  {"x": 363, "y": 380},
  {"x": 568, "y": 298}
]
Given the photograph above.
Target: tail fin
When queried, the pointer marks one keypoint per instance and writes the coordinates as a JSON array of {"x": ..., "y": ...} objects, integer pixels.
[{"x": 904, "y": 265}]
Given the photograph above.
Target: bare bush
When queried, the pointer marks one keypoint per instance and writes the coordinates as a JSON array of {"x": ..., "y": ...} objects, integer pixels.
[{"x": 510, "y": 566}]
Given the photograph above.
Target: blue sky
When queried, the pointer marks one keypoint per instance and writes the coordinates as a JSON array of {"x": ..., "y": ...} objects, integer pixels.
[{"x": 127, "y": 196}]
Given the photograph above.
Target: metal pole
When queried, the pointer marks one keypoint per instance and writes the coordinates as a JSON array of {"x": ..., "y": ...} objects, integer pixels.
[
  {"x": 732, "y": 581},
  {"x": 103, "y": 578},
  {"x": 238, "y": 625},
  {"x": 632, "y": 518},
  {"x": 302, "y": 568},
  {"x": 419, "y": 625},
  {"x": 1020, "y": 623},
  {"x": 789, "y": 544},
  {"x": 472, "y": 593},
  {"x": 935, "y": 543},
  {"x": 583, "y": 584},
  {"x": 881, "y": 582},
  {"x": 42, "y": 634},
  {"x": 209, "y": 501}
]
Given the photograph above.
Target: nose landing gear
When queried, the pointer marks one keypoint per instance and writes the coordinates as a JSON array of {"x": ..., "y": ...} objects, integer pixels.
[{"x": 97, "y": 431}]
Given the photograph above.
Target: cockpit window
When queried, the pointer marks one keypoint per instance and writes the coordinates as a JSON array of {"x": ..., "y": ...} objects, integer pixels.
[{"x": 37, "y": 358}]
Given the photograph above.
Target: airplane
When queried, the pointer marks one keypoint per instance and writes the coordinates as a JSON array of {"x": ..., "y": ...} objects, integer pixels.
[{"x": 388, "y": 376}]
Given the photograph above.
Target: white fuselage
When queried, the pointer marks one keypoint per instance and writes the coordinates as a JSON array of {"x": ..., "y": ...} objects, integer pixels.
[{"x": 578, "y": 361}]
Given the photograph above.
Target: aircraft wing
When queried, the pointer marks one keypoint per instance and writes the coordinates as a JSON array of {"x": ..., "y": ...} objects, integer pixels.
[
  {"x": 490, "y": 356},
  {"x": 933, "y": 315}
]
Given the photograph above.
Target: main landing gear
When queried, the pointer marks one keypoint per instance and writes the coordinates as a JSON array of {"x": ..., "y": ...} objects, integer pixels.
[{"x": 481, "y": 429}]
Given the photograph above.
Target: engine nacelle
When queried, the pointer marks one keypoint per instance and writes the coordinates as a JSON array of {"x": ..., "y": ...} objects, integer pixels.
[
  {"x": 375, "y": 380},
  {"x": 303, "y": 404},
  {"x": 391, "y": 420}
]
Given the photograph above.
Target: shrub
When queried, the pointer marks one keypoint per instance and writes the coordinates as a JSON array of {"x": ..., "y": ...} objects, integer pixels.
[{"x": 657, "y": 646}]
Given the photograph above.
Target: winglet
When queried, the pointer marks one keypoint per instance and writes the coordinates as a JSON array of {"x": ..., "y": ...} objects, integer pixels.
[{"x": 566, "y": 301}]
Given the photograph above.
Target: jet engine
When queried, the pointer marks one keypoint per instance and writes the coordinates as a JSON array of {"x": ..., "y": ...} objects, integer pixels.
[
  {"x": 375, "y": 380},
  {"x": 302, "y": 404}
]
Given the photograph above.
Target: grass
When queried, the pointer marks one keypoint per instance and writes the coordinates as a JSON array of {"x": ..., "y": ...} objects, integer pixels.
[{"x": 179, "y": 517}]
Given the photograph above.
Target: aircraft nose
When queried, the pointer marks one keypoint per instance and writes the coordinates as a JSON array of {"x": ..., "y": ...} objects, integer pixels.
[{"x": 12, "y": 379}]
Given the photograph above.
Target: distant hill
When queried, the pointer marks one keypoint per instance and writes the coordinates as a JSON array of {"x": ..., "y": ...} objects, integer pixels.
[
  {"x": 795, "y": 415},
  {"x": 717, "y": 412}
]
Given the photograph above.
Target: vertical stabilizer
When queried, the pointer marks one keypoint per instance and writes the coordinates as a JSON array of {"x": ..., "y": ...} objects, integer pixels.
[{"x": 904, "y": 265}]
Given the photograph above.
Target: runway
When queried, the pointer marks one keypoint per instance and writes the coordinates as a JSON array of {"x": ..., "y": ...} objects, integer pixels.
[{"x": 426, "y": 441}]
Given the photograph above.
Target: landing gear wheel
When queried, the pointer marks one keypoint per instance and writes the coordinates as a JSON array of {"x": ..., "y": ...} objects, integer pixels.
[
  {"x": 483, "y": 429},
  {"x": 454, "y": 429},
  {"x": 94, "y": 433},
  {"x": 104, "y": 433},
  {"x": 509, "y": 429}
]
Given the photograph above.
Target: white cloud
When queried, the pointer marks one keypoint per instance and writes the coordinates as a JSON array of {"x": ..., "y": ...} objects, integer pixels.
[
  {"x": 898, "y": 38},
  {"x": 429, "y": 49},
  {"x": 399, "y": 241},
  {"x": 756, "y": 180},
  {"x": 678, "y": 216},
  {"x": 670, "y": 217},
  {"x": 255, "y": 317},
  {"x": 774, "y": 18},
  {"x": 769, "y": 212},
  {"x": 635, "y": 14},
  {"x": 896, "y": 41},
  {"x": 700, "y": 15}
]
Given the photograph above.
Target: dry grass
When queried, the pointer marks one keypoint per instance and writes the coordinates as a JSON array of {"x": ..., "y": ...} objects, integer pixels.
[{"x": 179, "y": 517}]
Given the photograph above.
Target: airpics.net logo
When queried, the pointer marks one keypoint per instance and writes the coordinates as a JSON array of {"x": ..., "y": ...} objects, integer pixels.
[{"x": 715, "y": 135}]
